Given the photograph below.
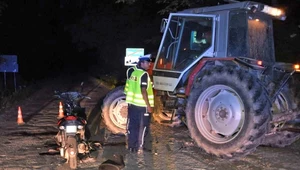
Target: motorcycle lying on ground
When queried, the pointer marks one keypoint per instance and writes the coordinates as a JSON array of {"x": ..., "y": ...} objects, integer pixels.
[{"x": 72, "y": 135}]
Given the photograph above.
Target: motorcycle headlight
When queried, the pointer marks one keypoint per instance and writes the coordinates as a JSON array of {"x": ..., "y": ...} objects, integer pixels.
[
  {"x": 61, "y": 127},
  {"x": 80, "y": 127}
]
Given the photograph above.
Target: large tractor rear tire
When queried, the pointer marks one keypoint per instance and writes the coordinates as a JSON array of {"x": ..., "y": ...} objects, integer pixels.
[
  {"x": 228, "y": 112},
  {"x": 115, "y": 110}
]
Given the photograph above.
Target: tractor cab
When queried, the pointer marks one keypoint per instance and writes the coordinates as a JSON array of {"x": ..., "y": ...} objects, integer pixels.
[{"x": 242, "y": 29}]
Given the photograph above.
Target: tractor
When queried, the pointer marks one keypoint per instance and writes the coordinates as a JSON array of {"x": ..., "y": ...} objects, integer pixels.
[{"x": 215, "y": 72}]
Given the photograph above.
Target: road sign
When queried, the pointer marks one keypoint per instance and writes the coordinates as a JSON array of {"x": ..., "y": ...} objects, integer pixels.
[
  {"x": 132, "y": 56},
  {"x": 8, "y": 63}
]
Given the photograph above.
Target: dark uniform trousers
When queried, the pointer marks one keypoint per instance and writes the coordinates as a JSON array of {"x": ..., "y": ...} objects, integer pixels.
[{"x": 138, "y": 126}]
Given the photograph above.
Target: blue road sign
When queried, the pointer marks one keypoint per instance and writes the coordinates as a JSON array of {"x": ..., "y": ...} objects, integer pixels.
[{"x": 8, "y": 63}]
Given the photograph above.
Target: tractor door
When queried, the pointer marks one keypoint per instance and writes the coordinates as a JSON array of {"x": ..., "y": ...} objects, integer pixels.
[{"x": 187, "y": 38}]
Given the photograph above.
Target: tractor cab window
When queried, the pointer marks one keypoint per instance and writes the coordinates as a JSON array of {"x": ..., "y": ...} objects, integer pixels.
[
  {"x": 186, "y": 39},
  {"x": 250, "y": 35}
]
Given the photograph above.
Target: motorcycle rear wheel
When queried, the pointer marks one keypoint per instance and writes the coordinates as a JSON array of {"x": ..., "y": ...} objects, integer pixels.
[{"x": 72, "y": 147}]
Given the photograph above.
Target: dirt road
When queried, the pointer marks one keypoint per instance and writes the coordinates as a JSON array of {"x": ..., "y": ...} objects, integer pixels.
[{"x": 26, "y": 146}]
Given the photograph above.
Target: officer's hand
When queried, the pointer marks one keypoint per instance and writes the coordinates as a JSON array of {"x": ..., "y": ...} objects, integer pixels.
[{"x": 149, "y": 109}]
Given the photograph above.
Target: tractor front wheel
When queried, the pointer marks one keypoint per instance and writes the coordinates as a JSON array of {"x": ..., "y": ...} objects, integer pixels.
[{"x": 115, "y": 110}]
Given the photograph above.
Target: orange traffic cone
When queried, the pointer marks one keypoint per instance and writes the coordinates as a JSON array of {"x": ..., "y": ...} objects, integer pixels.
[
  {"x": 60, "y": 111},
  {"x": 20, "y": 118}
]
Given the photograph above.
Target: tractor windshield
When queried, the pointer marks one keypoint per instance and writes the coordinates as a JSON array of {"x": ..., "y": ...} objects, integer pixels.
[{"x": 186, "y": 39}]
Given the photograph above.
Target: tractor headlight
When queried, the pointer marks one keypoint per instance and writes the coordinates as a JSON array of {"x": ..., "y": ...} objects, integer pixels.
[
  {"x": 271, "y": 11},
  {"x": 274, "y": 12},
  {"x": 297, "y": 67}
]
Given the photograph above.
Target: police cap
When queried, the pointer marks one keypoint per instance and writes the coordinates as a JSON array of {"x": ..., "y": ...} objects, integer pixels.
[{"x": 146, "y": 57}]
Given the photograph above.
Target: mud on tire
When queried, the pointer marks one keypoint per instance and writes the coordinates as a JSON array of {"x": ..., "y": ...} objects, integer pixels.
[{"x": 228, "y": 112}]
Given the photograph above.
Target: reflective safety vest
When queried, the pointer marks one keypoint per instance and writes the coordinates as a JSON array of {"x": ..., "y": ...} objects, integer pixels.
[
  {"x": 127, "y": 77},
  {"x": 134, "y": 92}
]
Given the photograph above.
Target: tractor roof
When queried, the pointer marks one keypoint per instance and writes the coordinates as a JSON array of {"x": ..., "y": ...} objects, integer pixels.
[{"x": 246, "y": 5}]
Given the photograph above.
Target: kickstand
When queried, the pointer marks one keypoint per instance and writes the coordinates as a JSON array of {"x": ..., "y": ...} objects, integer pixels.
[
  {"x": 172, "y": 116},
  {"x": 171, "y": 119}
]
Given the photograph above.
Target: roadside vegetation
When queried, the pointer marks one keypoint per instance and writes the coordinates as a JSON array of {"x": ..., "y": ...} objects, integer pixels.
[{"x": 9, "y": 97}]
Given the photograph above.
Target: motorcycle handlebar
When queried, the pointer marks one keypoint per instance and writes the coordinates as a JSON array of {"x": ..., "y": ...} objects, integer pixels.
[{"x": 74, "y": 96}]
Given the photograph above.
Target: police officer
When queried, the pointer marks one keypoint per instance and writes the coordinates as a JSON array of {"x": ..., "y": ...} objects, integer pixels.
[{"x": 140, "y": 99}]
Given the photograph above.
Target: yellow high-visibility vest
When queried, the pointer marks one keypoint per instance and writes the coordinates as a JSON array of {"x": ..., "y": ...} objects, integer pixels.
[{"x": 134, "y": 93}]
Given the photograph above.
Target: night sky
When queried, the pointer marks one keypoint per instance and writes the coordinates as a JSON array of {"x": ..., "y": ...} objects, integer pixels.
[{"x": 50, "y": 37}]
